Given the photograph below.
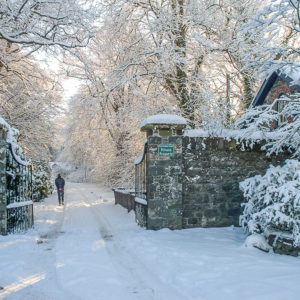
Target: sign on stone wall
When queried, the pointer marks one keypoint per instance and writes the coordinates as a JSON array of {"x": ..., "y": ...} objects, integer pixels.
[{"x": 165, "y": 150}]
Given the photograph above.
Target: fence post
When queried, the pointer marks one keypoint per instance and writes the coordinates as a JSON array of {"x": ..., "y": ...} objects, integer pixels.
[
  {"x": 3, "y": 212},
  {"x": 164, "y": 171}
]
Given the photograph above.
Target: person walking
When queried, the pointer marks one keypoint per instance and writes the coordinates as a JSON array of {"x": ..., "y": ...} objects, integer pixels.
[{"x": 60, "y": 185}]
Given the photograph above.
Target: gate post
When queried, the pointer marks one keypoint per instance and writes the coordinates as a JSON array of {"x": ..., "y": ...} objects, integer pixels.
[
  {"x": 164, "y": 170},
  {"x": 3, "y": 213}
]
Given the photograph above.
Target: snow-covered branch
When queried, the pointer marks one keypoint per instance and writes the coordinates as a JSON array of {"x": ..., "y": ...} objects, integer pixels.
[
  {"x": 35, "y": 23},
  {"x": 273, "y": 202},
  {"x": 283, "y": 127}
]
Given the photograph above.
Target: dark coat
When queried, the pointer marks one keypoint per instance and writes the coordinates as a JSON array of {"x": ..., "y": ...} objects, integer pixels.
[{"x": 59, "y": 182}]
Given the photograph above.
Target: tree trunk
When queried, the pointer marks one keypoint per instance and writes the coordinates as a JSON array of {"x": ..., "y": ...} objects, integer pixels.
[
  {"x": 228, "y": 104},
  {"x": 248, "y": 92},
  {"x": 185, "y": 103}
]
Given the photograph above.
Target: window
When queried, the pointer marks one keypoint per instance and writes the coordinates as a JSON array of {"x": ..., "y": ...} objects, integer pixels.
[{"x": 280, "y": 106}]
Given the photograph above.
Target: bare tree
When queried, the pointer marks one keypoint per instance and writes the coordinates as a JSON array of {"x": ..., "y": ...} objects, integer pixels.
[
  {"x": 29, "y": 101},
  {"x": 33, "y": 24},
  {"x": 279, "y": 22}
]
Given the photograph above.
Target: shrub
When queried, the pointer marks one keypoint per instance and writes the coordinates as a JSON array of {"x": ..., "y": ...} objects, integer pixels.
[
  {"x": 273, "y": 202},
  {"x": 42, "y": 185}
]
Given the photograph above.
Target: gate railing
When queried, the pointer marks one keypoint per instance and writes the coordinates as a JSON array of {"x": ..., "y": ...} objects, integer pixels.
[
  {"x": 140, "y": 175},
  {"x": 18, "y": 192}
]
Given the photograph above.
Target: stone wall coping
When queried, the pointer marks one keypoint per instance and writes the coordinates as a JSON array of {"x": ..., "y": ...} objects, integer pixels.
[
  {"x": 236, "y": 134},
  {"x": 141, "y": 200},
  {"x": 19, "y": 204},
  {"x": 123, "y": 191},
  {"x": 163, "y": 121}
]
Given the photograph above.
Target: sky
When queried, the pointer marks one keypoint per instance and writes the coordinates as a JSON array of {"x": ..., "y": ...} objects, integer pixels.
[{"x": 70, "y": 85}]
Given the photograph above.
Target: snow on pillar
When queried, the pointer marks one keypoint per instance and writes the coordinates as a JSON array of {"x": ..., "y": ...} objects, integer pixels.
[
  {"x": 3, "y": 216},
  {"x": 164, "y": 170}
]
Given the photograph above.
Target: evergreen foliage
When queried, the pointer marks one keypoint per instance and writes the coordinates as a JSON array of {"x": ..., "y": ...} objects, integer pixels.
[
  {"x": 42, "y": 185},
  {"x": 273, "y": 201},
  {"x": 280, "y": 136}
]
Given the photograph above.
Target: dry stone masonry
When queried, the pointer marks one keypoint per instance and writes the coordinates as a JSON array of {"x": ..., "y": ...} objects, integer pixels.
[
  {"x": 193, "y": 181},
  {"x": 164, "y": 171},
  {"x": 212, "y": 170}
]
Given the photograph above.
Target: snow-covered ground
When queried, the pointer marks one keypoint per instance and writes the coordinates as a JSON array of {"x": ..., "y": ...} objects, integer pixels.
[{"x": 92, "y": 249}]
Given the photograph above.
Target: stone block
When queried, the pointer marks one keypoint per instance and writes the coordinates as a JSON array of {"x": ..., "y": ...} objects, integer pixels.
[
  {"x": 175, "y": 140},
  {"x": 154, "y": 223},
  {"x": 193, "y": 221},
  {"x": 234, "y": 212},
  {"x": 283, "y": 245},
  {"x": 227, "y": 187},
  {"x": 192, "y": 172},
  {"x": 210, "y": 213},
  {"x": 173, "y": 223},
  {"x": 154, "y": 140},
  {"x": 156, "y": 171}
]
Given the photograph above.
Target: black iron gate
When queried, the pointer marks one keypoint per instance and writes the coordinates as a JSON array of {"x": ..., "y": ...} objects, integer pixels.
[
  {"x": 18, "y": 192},
  {"x": 140, "y": 175},
  {"x": 141, "y": 207}
]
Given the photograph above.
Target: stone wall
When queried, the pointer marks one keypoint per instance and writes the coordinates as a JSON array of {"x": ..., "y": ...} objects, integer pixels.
[
  {"x": 141, "y": 214},
  {"x": 164, "y": 184},
  {"x": 283, "y": 245},
  {"x": 3, "y": 218},
  {"x": 212, "y": 170}
]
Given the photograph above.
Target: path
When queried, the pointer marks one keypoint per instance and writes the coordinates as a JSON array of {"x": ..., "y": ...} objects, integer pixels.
[
  {"x": 80, "y": 256},
  {"x": 92, "y": 249},
  {"x": 92, "y": 257}
]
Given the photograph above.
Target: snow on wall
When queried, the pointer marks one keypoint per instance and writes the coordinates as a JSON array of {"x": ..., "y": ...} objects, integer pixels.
[
  {"x": 19, "y": 204},
  {"x": 164, "y": 119},
  {"x": 141, "y": 201},
  {"x": 230, "y": 134},
  {"x": 239, "y": 135}
]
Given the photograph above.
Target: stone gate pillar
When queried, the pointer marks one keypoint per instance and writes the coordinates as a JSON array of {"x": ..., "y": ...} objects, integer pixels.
[
  {"x": 164, "y": 170},
  {"x": 3, "y": 216}
]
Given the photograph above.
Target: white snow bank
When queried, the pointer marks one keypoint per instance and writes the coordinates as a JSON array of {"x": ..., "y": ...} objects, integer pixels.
[
  {"x": 92, "y": 249},
  {"x": 257, "y": 241},
  {"x": 164, "y": 119}
]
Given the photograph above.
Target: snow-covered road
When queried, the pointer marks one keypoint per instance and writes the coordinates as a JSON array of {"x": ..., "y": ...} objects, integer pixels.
[
  {"x": 77, "y": 254},
  {"x": 93, "y": 263},
  {"x": 92, "y": 249}
]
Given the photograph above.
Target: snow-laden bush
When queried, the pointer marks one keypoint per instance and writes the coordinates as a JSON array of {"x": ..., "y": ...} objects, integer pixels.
[
  {"x": 273, "y": 201},
  {"x": 288, "y": 135},
  {"x": 41, "y": 182},
  {"x": 262, "y": 119}
]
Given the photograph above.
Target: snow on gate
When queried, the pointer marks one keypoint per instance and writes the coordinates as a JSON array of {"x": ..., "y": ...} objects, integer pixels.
[{"x": 16, "y": 206}]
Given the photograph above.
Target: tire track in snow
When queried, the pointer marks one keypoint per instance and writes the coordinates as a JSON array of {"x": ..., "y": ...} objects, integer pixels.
[
  {"x": 49, "y": 241},
  {"x": 138, "y": 272}
]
